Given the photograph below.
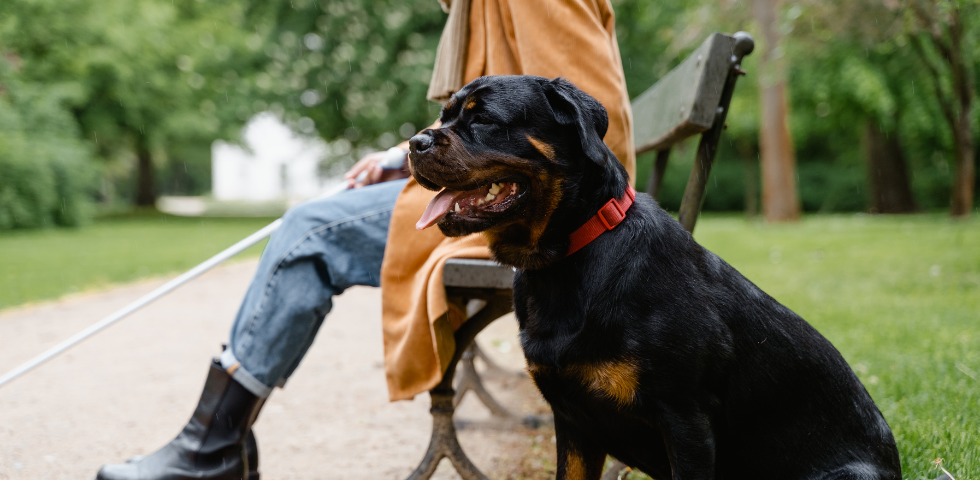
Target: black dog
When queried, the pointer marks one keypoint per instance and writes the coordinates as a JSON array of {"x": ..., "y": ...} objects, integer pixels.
[{"x": 648, "y": 347}]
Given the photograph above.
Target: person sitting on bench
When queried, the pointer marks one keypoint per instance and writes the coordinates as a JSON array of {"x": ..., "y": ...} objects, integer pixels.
[{"x": 367, "y": 236}]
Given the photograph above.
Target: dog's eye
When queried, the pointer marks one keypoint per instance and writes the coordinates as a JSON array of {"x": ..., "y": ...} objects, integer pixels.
[{"x": 480, "y": 120}]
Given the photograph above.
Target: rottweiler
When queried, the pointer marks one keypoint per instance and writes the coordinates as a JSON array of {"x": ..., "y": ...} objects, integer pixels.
[{"x": 648, "y": 347}]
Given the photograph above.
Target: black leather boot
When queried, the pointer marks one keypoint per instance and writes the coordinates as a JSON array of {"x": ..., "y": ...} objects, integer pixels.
[
  {"x": 252, "y": 452},
  {"x": 212, "y": 445}
]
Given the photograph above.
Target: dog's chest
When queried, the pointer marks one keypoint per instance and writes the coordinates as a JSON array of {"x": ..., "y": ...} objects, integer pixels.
[
  {"x": 555, "y": 331},
  {"x": 602, "y": 400},
  {"x": 609, "y": 381}
]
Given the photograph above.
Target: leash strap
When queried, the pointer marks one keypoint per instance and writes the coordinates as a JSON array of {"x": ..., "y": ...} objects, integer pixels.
[{"x": 610, "y": 215}]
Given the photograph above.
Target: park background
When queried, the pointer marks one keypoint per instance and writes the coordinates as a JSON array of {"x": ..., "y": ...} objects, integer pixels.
[{"x": 866, "y": 107}]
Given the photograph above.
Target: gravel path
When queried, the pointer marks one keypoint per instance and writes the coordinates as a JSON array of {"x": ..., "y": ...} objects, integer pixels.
[{"x": 131, "y": 388}]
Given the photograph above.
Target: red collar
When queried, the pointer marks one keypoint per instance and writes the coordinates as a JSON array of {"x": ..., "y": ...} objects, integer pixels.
[{"x": 610, "y": 215}]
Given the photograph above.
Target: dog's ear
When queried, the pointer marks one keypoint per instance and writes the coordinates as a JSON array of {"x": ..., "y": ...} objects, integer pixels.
[{"x": 574, "y": 107}]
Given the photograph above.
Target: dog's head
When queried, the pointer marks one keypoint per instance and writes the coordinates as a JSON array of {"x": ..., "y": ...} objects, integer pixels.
[{"x": 520, "y": 158}]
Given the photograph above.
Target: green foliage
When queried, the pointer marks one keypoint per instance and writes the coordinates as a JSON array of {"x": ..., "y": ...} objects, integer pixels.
[
  {"x": 655, "y": 36},
  {"x": 850, "y": 64},
  {"x": 856, "y": 74},
  {"x": 168, "y": 77},
  {"x": 156, "y": 79},
  {"x": 353, "y": 71},
  {"x": 145, "y": 77},
  {"x": 46, "y": 174}
]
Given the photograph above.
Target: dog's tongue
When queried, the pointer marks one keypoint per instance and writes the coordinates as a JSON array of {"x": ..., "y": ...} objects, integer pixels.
[{"x": 437, "y": 208}]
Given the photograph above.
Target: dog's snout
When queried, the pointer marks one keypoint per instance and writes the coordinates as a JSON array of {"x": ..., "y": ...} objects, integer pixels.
[{"x": 421, "y": 142}]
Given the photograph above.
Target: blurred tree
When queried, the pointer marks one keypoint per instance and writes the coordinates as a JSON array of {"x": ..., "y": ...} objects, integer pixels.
[
  {"x": 150, "y": 74},
  {"x": 879, "y": 63},
  {"x": 46, "y": 173},
  {"x": 780, "y": 202},
  {"x": 891, "y": 191},
  {"x": 655, "y": 36},
  {"x": 943, "y": 32},
  {"x": 355, "y": 71},
  {"x": 156, "y": 76},
  {"x": 151, "y": 84},
  {"x": 856, "y": 66}
]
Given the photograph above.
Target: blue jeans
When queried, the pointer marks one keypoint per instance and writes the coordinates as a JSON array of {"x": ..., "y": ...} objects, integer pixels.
[{"x": 322, "y": 247}]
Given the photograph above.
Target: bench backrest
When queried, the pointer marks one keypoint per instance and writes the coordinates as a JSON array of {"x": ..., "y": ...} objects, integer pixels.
[
  {"x": 685, "y": 101},
  {"x": 692, "y": 98}
]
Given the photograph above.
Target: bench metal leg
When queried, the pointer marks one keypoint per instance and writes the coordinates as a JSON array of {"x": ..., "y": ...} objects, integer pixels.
[
  {"x": 443, "y": 443},
  {"x": 492, "y": 367},
  {"x": 469, "y": 380},
  {"x": 657, "y": 174}
]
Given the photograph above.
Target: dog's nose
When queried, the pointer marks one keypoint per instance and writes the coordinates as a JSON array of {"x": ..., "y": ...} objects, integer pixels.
[{"x": 420, "y": 143}]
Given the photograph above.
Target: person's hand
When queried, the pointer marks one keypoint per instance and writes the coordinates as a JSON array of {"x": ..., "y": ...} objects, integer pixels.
[{"x": 370, "y": 166}]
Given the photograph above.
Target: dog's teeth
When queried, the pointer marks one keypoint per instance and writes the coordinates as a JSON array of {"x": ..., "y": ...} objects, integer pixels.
[
  {"x": 457, "y": 207},
  {"x": 491, "y": 196},
  {"x": 494, "y": 188},
  {"x": 481, "y": 202}
]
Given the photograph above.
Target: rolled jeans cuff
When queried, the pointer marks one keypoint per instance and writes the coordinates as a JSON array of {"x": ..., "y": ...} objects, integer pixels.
[{"x": 240, "y": 375}]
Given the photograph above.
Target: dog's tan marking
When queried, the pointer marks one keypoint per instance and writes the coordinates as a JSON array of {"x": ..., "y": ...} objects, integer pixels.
[
  {"x": 517, "y": 243},
  {"x": 614, "y": 379},
  {"x": 575, "y": 466},
  {"x": 536, "y": 371},
  {"x": 449, "y": 103},
  {"x": 469, "y": 104},
  {"x": 548, "y": 205},
  {"x": 547, "y": 150}
]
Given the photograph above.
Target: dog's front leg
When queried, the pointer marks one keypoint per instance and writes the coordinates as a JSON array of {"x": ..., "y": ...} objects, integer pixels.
[
  {"x": 578, "y": 458},
  {"x": 690, "y": 444}
]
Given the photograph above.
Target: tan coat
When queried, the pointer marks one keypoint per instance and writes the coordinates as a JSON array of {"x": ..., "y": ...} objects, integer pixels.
[{"x": 574, "y": 39}]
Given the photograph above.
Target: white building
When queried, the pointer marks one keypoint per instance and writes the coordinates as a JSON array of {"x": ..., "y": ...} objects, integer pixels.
[{"x": 277, "y": 164}]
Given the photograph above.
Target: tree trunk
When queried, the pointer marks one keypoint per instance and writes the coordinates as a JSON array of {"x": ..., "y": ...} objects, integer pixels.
[
  {"x": 887, "y": 173},
  {"x": 966, "y": 176},
  {"x": 751, "y": 187},
  {"x": 146, "y": 193},
  {"x": 947, "y": 37},
  {"x": 780, "y": 202}
]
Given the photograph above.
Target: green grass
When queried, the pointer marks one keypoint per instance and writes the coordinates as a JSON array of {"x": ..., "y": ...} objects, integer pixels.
[
  {"x": 45, "y": 264},
  {"x": 900, "y": 298}
]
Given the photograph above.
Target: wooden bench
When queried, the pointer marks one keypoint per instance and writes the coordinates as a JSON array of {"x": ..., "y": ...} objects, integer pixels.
[{"x": 693, "y": 98}]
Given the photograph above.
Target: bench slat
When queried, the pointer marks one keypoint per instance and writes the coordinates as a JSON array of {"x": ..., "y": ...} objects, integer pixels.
[
  {"x": 685, "y": 101},
  {"x": 476, "y": 273}
]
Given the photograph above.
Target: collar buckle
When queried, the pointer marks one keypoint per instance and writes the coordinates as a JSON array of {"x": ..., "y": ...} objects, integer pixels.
[{"x": 611, "y": 214}]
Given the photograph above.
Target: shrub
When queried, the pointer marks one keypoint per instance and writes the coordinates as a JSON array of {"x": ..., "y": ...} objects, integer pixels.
[{"x": 46, "y": 173}]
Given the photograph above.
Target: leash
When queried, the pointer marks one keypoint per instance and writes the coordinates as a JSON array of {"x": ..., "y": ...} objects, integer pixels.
[{"x": 610, "y": 215}]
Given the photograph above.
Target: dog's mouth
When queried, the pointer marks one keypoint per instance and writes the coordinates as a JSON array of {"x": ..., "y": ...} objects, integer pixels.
[{"x": 480, "y": 202}]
